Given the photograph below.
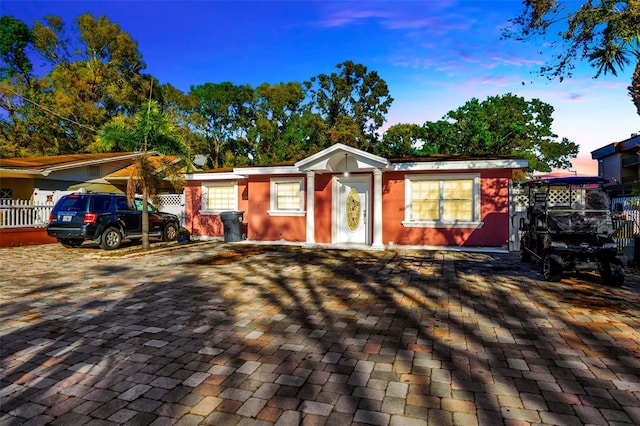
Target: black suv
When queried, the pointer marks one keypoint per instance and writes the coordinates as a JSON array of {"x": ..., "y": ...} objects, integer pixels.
[
  {"x": 106, "y": 218},
  {"x": 569, "y": 228}
]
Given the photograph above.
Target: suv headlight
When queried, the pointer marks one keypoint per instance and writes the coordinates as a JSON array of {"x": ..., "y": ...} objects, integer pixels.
[
  {"x": 558, "y": 244},
  {"x": 609, "y": 246}
]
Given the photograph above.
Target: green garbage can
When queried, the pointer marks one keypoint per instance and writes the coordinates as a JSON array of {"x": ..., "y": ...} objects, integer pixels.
[{"x": 232, "y": 224}]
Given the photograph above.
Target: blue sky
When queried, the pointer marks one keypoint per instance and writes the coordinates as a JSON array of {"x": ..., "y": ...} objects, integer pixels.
[{"x": 434, "y": 55}]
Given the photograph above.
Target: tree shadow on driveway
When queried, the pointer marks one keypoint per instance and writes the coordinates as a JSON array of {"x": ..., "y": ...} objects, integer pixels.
[{"x": 298, "y": 335}]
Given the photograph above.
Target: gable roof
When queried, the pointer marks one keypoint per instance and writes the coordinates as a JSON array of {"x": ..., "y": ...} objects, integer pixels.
[{"x": 336, "y": 156}]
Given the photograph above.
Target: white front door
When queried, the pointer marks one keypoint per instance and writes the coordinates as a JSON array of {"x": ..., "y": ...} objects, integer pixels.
[{"x": 351, "y": 207}]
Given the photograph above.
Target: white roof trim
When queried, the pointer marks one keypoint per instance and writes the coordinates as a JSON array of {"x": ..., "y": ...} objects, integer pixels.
[
  {"x": 213, "y": 176},
  {"x": 460, "y": 165},
  {"x": 20, "y": 171},
  {"x": 275, "y": 170}
]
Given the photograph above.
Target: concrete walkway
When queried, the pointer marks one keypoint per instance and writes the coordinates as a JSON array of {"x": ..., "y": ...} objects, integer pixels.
[{"x": 258, "y": 335}]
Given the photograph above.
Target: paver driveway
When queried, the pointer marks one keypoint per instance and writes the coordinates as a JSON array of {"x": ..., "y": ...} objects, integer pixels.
[{"x": 238, "y": 334}]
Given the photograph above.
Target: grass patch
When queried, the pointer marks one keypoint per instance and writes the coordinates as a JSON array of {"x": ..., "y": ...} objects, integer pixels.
[{"x": 231, "y": 256}]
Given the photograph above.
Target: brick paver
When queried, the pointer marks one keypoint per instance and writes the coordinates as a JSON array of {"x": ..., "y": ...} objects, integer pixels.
[{"x": 281, "y": 335}]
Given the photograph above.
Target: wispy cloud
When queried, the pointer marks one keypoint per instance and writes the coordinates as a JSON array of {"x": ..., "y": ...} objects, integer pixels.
[
  {"x": 436, "y": 17},
  {"x": 344, "y": 17}
]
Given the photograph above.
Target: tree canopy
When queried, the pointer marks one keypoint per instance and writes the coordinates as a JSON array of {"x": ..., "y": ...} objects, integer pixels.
[
  {"x": 93, "y": 82},
  {"x": 502, "y": 125},
  {"x": 352, "y": 102},
  {"x": 92, "y": 74},
  {"x": 605, "y": 33}
]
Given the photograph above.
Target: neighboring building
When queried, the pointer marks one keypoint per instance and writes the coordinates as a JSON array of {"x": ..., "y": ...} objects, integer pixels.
[
  {"x": 19, "y": 177},
  {"x": 343, "y": 195},
  {"x": 29, "y": 186},
  {"x": 620, "y": 163},
  {"x": 107, "y": 172}
]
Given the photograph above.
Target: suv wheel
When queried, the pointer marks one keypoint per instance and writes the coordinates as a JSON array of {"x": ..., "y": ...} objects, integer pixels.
[
  {"x": 111, "y": 239},
  {"x": 70, "y": 242},
  {"x": 612, "y": 273},
  {"x": 170, "y": 232},
  {"x": 552, "y": 267}
]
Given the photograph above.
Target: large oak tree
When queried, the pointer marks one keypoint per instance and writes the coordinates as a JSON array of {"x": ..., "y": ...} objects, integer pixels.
[
  {"x": 503, "y": 125},
  {"x": 353, "y": 102}
]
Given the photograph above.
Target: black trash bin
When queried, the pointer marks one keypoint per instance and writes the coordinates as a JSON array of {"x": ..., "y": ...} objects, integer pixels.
[{"x": 232, "y": 224}]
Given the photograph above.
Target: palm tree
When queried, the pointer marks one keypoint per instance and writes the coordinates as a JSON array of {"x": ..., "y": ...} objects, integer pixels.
[
  {"x": 614, "y": 57},
  {"x": 151, "y": 133}
]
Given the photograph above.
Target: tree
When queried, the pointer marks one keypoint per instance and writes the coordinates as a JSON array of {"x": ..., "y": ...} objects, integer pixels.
[
  {"x": 15, "y": 37},
  {"x": 602, "y": 32},
  {"x": 222, "y": 115},
  {"x": 353, "y": 104},
  {"x": 503, "y": 125},
  {"x": 93, "y": 75},
  {"x": 177, "y": 107},
  {"x": 27, "y": 126},
  {"x": 284, "y": 127},
  {"x": 403, "y": 139},
  {"x": 147, "y": 131}
]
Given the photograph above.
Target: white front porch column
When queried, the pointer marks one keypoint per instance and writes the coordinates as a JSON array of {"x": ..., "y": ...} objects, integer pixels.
[
  {"x": 377, "y": 209},
  {"x": 311, "y": 222}
]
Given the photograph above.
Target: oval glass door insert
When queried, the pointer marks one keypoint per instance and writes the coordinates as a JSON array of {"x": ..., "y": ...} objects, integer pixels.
[{"x": 353, "y": 210}]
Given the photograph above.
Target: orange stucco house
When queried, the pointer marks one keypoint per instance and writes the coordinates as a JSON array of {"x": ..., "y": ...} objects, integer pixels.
[{"x": 343, "y": 195}]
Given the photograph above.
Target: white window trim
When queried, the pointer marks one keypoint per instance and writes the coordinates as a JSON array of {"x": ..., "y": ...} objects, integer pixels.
[
  {"x": 273, "y": 199},
  {"x": 205, "y": 190},
  {"x": 475, "y": 223}
]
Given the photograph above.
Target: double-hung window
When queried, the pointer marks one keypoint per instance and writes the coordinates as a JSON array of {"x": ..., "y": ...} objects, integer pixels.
[
  {"x": 219, "y": 196},
  {"x": 451, "y": 200},
  {"x": 287, "y": 197}
]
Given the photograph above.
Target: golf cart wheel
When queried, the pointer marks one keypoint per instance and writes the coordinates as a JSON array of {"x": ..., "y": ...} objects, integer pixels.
[
  {"x": 552, "y": 267},
  {"x": 612, "y": 274}
]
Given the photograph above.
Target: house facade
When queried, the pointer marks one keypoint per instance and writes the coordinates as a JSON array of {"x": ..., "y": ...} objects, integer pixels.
[{"x": 343, "y": 195}]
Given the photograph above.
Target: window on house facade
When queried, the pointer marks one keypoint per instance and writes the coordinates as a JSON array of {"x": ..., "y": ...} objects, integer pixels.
[
  {"x": 442, "y": 200},
  {"x": 287, "y": 197},
  {"x": 217, "y": 197}
]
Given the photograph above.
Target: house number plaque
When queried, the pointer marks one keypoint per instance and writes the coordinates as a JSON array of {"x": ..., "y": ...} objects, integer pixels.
[{"x": 353, "y": 210}]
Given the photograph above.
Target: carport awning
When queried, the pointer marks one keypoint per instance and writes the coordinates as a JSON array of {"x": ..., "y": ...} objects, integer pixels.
[{"x": 94, "y": 187}]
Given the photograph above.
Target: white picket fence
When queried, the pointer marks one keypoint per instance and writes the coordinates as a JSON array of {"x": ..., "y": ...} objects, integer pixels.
[
  {"x": 28, "y": 214},
  {"x": 24, "y": 214}
]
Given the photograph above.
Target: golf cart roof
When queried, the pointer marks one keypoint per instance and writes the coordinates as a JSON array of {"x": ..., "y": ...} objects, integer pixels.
[{"x": 566, "y": 181}]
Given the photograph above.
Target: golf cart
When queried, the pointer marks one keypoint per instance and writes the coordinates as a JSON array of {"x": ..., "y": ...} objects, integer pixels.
[{"x": 568, "y": 228}]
